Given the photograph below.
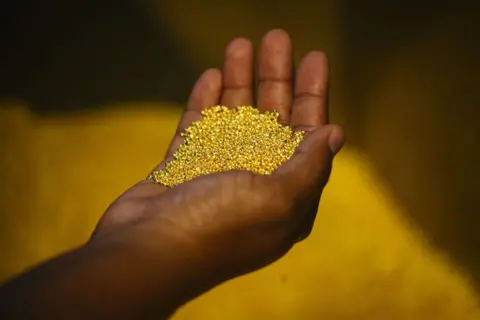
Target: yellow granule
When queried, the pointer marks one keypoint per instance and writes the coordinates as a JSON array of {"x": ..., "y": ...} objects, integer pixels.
[{"x": 230, "y": 139}]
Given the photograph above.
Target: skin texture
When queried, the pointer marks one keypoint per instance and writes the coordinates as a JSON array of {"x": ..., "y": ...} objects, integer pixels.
[{"x": 156, "y": 248}]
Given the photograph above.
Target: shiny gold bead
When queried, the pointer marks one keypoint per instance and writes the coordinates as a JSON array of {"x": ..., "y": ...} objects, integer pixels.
[{"x": 225, "y": 139}]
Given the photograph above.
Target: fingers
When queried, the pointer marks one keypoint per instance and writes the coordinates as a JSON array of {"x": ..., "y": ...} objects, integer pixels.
[
  {"x": 238, "y": 74},
  {"x": 310, "y": 111},
  {"x": 303, "y": 177},
  {"x": 309, "y": 221},
  {"x": 336, "y": 140},
  {"x": 306, "y": 173},
  {"x": 310, "y": 106},
  {"x": 275, "y": 74},
  {"x": 205, "y": 93}
]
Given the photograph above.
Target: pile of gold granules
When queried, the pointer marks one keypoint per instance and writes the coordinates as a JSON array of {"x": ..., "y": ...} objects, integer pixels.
[{"x": 230, "y": 139}]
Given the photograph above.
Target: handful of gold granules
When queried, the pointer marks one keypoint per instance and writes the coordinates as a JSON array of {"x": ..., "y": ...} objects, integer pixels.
[{"x": 226, "y": 139}]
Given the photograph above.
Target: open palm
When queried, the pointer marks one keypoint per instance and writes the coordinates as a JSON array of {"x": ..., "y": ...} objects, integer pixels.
[{"x": 257, "y": 218}]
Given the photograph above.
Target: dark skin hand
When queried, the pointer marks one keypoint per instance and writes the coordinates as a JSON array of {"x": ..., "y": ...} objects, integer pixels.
[{"x": 156, "y": 248}]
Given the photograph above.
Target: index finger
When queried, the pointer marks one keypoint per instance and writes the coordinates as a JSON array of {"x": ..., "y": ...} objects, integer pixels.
[{"x": 205, "y": 93}]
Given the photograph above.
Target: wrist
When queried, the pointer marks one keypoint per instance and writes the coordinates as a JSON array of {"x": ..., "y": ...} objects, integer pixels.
[{"x": 169, "y": 270}]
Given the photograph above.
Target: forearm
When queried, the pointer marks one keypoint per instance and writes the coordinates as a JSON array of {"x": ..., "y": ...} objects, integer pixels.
[{"x": 99, "y": 280}]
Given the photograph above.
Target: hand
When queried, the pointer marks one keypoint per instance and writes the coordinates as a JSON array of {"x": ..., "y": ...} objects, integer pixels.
[{"x": 235, "y": 222}]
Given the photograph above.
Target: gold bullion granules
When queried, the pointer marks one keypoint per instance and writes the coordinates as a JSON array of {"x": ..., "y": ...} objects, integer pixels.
[{"x": 230, "y": 139}]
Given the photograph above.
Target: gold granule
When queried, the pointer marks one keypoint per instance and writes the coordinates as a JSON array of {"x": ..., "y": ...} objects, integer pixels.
[{"x": 230, "y": 139}]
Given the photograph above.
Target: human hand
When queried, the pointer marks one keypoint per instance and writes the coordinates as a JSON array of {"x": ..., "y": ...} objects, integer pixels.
[{"x": 235, "y": 222}]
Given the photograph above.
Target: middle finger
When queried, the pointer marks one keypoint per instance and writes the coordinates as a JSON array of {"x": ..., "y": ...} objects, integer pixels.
[{"x": 275, "y": 74}]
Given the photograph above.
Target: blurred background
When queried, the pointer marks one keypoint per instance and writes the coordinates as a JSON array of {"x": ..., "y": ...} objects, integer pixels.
[{"x": 90, "y": 93}]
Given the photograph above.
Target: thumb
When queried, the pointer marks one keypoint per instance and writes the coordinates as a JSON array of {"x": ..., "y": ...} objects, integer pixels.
[{"x": 309, "y": 168}]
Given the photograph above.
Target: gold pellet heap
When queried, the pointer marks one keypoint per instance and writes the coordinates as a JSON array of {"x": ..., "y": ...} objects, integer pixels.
[{"x": 226, "y": 139}]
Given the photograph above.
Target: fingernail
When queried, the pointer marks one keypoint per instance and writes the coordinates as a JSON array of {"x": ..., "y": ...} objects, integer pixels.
[{"x": 336, "y": 140}]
